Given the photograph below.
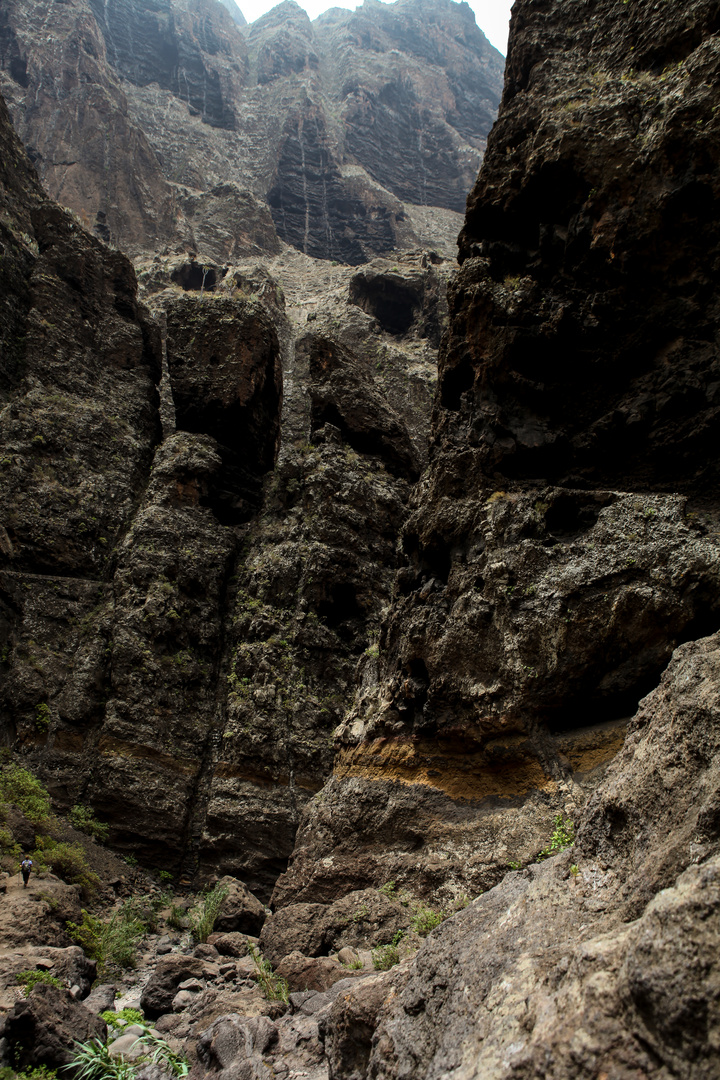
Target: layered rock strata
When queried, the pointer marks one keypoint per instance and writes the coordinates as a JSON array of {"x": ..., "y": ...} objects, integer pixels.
[{"x": 601, "y": 961}]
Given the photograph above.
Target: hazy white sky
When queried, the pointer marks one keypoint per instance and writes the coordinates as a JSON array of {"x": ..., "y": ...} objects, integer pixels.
[{"x": 492, "y": 16}]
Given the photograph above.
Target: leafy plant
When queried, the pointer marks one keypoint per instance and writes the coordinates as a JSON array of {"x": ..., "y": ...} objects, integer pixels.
[
  {"x": 426, "y": 919},
  {"x": 83, "y": 819},
  {"x": 31, "y": 978},
  {"x": 563, "y": 836},
  {"x": 385, "y": 956},
  {"x": 113, "y": 944},
  {"x": 388, "y": 889},
  {"x": 273, "y": 986},
  {"x": 165, "y": 877},
  {"x": 9, "y": 847},
  {"x": 204, "y": 914},
  {"x": 92, "y": 1059},
  {"x": 23, "y": 790},
  {"x": 131, "y": 1016},
  {"x": 69, "y": 862},
  {"x": 42, "y": 716},
  {"x": 177, "y": 918},
  {"x": 40, "y": 1072}
]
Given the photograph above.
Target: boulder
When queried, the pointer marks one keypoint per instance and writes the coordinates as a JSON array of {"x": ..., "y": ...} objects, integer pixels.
[
  {"x": 126, "y": 1046},
  {"x": 295, "y": 928},
  {"x": 100, "y": 998},
  {"x": 70, "y": 965},
  {"x": 206, "y": 952},
  {"x": 234, "y": 1041},
  {"x": 183, "y": 1000},
  {"x": 157, "y": 997},
  {"x": 240, "y": 912},
  {"x": 44, "y": 1028},
  {"x": 364, "y": 918},
  {"x": 349, "y": 1025},
  {"x": 231, "y": 944},
  {"x": 310, "y": 973}
]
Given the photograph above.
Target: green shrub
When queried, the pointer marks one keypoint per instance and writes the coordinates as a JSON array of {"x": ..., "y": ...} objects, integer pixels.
[
  {"x": 92, "y": 1060},
  {"x": 31, "y": 978},
  {"x": 83, "y": 819},
  {"x": 40, "y": 1072},
  {"x": 42, "y": 716},
  {"x": 8, "y": 846},
  {"x": 129, "y": 1016},
  {"x": 203, "y": 915},
  {"x": 69, "y": 862},
  {"x": 385, "y": 956},
  {"x": 273, "y": 986},
  {"x": 144, "y": 910},
  {"x": 20, "y": 788},
  {"x": 177, "y": 918},
  {"x": 388, "y": 889},
  {"x": 425, "y": 920},
  {"x": 112, "y": 943}
]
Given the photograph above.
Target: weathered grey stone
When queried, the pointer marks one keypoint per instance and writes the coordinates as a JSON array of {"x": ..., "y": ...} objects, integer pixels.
[{"x": 44, "y": 1028}]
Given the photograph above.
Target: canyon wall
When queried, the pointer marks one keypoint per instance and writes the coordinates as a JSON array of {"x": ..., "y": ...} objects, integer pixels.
[
  {"x": 190, "y": 576},
  {"x": 231, "y": 564},
  {"x": 177, "y": 124},
  {"x": 564, "y": 538}
]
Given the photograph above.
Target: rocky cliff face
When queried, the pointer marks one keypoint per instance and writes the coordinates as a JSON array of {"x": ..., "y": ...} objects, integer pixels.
[
  {"x": 143, "y": 119},
  {"x": 564, "y": 538},
  {"x": 201, "y": 622},
  {"x": 184, "y": 616}
]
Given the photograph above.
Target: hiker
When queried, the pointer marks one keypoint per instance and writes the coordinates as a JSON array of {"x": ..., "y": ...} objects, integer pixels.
[{"x": 25, "y": 868}]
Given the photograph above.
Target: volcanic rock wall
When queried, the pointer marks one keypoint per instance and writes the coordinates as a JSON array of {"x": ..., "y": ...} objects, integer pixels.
[
  {"x": 184, "y": 604},
  {"x": 169, "y": 124},
  {"x": 564, "y": 539}
]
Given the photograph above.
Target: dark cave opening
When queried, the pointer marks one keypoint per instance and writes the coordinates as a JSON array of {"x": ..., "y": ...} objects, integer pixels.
[
  {"x": 429, "y": 560},
  {"x": 341, "y": 607},
  {"x": 456, "y": 381},
  {"x": 587, "y": 706},
  {"x": 573, "y": 514},
  {"x": 196, "y": 277},
  {"x": 389, "y": 299}
]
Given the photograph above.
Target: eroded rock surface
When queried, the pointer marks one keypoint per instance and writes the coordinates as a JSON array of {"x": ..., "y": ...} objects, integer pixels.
[
  {"x": 180, "y": 123},
  {"x": 587, "y": 963},
  {"x": 185, "y": 616},
  {"x": 555, "y": 556}
]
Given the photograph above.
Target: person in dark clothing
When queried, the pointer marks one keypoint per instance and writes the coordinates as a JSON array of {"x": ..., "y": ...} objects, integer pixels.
[{"x": 25, "y": 868}]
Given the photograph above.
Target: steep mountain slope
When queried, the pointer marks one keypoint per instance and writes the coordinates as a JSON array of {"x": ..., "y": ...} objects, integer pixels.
[{"x": 156, "y": 123}]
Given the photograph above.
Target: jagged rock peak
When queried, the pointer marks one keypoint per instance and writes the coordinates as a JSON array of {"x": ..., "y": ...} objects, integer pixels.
[{"x": 235, "y": 11}]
